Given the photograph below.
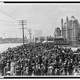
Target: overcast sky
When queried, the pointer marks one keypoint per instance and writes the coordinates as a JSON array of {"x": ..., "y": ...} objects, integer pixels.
[{"x": 42, "y": 19}]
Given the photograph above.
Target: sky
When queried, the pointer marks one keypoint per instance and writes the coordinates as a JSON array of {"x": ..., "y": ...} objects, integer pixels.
[{"x": 41, "y": 18}]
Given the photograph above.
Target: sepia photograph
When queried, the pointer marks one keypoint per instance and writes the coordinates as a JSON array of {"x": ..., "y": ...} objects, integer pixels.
[{"x": 39, "y": 39}]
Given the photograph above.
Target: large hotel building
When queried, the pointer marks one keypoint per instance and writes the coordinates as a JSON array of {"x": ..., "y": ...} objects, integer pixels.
[{"x": 70, "y": 31}]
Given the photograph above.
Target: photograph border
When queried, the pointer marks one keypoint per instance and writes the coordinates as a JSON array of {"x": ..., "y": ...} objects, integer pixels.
[{"x": 40, "y": 77}]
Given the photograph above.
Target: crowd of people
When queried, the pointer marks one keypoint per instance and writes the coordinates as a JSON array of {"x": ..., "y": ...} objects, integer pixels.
[{"x": 39, "y": 59}]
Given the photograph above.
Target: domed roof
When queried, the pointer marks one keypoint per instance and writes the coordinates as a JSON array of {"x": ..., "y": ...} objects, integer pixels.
[{"x": 73, "y": 18}]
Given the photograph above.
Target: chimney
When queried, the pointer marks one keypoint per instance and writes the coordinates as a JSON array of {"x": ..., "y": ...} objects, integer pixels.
[{"x": 66, "y": 18}]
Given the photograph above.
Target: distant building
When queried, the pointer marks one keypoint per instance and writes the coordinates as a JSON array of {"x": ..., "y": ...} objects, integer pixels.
[
  {"x": 70, "y": 30},
  {"x": 50, "y": 38},
  {"x": 57, "y": 32},
  {"x": 44, "y": 39}
]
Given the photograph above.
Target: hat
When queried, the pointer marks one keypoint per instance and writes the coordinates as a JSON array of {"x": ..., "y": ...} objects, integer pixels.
[{"x": 50, "y": 67}]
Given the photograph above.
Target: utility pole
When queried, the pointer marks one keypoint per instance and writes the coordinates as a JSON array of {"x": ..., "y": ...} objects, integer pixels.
[{"x": 22, "y": 22}]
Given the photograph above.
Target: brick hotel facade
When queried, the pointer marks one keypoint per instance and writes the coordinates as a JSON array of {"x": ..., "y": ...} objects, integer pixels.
[{"x": 70, "y": 30}]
